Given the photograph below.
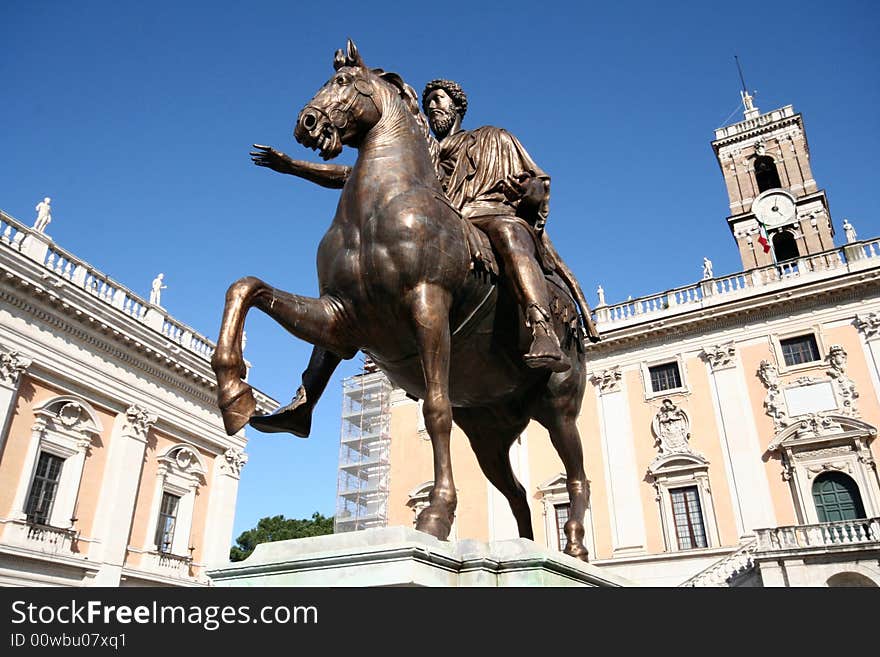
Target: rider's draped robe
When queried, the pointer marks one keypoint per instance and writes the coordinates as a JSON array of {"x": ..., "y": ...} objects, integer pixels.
[{"x": 472, "y": 165}]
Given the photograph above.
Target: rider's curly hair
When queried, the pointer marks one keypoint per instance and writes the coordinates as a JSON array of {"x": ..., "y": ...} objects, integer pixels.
[{"x": 459, "y": 97}]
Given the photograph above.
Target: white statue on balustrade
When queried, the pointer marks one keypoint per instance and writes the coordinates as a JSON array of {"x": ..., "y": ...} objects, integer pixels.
[
  {"x": 156, "y": 290},
  {"x": 850, "y": 232},
  {"x": 707, "y": 268},
  {"x": 44, "y": 215},
  {"x": 601, "y": 294}
]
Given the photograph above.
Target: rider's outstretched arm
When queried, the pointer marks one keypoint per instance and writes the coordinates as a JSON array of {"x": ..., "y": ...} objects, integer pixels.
[{"x": 332, "y": 176}]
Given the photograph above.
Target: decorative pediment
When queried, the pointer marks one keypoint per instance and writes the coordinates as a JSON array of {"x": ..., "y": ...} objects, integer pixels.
[
  {"x": 555, "y": 484},
  {"x": 182, "y": 467},
  {"x": 71, "y": 422},
  {"x": 677, "y": 464},
  {"x": 821, "y": 428},
  {"x": 419, "y": 493}
]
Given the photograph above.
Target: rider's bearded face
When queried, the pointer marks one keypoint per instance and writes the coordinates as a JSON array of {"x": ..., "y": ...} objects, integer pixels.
[{"x": 441, "y": 111}]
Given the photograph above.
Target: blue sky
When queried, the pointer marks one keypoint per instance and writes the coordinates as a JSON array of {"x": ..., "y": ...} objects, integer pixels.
[{"x": 137, "y": 118}]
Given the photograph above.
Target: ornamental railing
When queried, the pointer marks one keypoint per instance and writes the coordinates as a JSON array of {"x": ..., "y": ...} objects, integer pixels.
[
  {"x": 714, "y": 291},
  {"x": 823, "y": 535},
  {"x": 77, "y": 272},
  {"x": 723, "y": 571}
]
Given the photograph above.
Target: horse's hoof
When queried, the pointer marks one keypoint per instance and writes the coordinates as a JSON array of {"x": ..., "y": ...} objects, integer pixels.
[
  {"x": 577, "y": 551},
  {"x": 238, "y": 410},
  {"x": 295, "y": 418},
  {"x": 434, "y": 523}
]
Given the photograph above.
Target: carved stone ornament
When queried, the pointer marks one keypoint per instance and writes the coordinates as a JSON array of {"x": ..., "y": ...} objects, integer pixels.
[
  {"x": 720, "y": 356},
  {"x": 138, "y": 421},
  {"x": 608, "y": 380},
  {"x": 816, "y": 425},
  {"x": 869, "y": 325},
  {"x": 845, "y": 387},
  {"x": 12, "y": 364},
  {"x": 234, "y": 460},
  {"x": 672, "y": 429},
  {"x": 774, "y": 403},
  {"x": 70, "y": 415}
]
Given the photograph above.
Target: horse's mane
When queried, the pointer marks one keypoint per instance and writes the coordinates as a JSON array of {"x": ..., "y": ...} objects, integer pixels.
[{"x": 411, "y": 100}]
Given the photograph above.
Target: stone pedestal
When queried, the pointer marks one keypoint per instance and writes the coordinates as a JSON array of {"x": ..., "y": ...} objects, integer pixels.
[{"x": 401, "y": 556}]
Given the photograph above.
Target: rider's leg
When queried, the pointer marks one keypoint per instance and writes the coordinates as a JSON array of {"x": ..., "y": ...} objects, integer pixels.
[
  {"x": 517, "y": 250},
  {"x": 296, "y": 417}
]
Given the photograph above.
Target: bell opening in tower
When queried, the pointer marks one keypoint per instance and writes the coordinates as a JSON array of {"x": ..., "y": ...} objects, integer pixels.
[
  {"x": 785, "y": 246},
  {"x": 766, "y": 174}
]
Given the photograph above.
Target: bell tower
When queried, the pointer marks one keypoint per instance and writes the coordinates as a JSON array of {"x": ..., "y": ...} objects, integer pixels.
[{"x": 777, "y": 212}]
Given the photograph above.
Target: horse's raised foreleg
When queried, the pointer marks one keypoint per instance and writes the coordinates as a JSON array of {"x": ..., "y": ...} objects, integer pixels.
[
  {"x": 317, "y": 321},
  {"x": 430, "y": 316}
]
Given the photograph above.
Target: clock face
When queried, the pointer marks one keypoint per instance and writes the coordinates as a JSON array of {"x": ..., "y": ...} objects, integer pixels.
[{"x": 774, "y": 207}]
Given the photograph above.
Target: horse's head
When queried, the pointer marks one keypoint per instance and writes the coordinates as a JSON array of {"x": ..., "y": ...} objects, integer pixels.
[{"x": 347, "y": 106}]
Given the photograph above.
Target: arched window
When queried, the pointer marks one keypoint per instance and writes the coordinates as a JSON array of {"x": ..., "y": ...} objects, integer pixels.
[
  {"x": 785, "y": 246},
  {"x": 766, "y": 174},
  {"x": 837, "y": 498},
  {"x": 850, "y": 580}
]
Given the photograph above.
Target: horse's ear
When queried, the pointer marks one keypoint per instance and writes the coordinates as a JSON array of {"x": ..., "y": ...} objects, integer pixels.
[
  {"x": 353, "y": 56},
  {"x": 338, "y": 60}
]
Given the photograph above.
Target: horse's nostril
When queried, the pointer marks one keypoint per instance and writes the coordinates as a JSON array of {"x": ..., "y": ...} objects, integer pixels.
[{"x": 309, "y": 121}]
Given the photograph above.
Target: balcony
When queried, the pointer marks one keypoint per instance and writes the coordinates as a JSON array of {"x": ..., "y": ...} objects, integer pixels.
[
  {"x": 167, "y": 564},
  {"x": 44, "y": 539},
  {"x": 824, "y": 537}
]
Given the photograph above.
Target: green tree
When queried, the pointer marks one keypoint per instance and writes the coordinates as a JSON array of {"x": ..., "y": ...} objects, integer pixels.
[{"x": 279, "y": 528}]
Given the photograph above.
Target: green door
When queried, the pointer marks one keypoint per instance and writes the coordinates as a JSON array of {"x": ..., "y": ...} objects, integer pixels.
[{"x": 837, "y": 498}]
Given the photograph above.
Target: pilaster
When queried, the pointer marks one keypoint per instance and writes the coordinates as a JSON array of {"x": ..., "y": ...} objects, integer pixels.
[{"x": 618, "y": 447}]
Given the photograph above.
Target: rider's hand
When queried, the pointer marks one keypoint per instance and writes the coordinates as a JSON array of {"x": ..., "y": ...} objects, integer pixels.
[{"x": 266, "y": 156}]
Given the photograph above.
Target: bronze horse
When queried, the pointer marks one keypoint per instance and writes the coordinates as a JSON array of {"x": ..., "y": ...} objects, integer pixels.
[{"x": 397, "y": 282}]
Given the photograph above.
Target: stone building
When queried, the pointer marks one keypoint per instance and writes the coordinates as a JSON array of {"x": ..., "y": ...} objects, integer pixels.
[
  {"x": 115, "y": 467},
  {"x": 729, "y": 428}
]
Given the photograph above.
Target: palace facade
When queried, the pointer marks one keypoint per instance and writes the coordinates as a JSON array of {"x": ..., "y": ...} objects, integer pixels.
[
  {"x": 729, "y": 426},
  {"x": 115, "y": 467}
]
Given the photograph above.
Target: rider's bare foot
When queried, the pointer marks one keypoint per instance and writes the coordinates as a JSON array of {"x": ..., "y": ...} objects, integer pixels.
[{"x": 295, "y": 418}]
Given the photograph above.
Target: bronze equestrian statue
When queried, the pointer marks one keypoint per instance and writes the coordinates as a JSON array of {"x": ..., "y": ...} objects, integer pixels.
[{"x": 406, "y": 280}]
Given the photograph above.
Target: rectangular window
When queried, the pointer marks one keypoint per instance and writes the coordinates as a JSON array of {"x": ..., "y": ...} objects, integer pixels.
[
  {"x": 688, "y": 515},
  {"x": 665, "y": 377},
  {"x": 43, "y": 489},
  {"x": 167, "y": 519},
  {"x": 802, "y": 349},
  {"x": 561, "y": 519}
]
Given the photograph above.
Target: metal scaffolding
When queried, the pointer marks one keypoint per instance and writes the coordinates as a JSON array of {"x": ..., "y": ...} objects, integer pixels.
[{"x": 364, "y": 452}]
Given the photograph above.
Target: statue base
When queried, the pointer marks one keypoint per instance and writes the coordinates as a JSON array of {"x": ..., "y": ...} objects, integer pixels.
[{"x": 402, "y": 556}]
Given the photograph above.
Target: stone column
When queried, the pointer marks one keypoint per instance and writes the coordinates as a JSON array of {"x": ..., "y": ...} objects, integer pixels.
[
  {"x": 119, "y": 488},
  {"x": 221, "y": 507},
  {"x": 624, "y": 497},
  {"x": 749, "y": 490},
  {"x": 12, "y": 366}
]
